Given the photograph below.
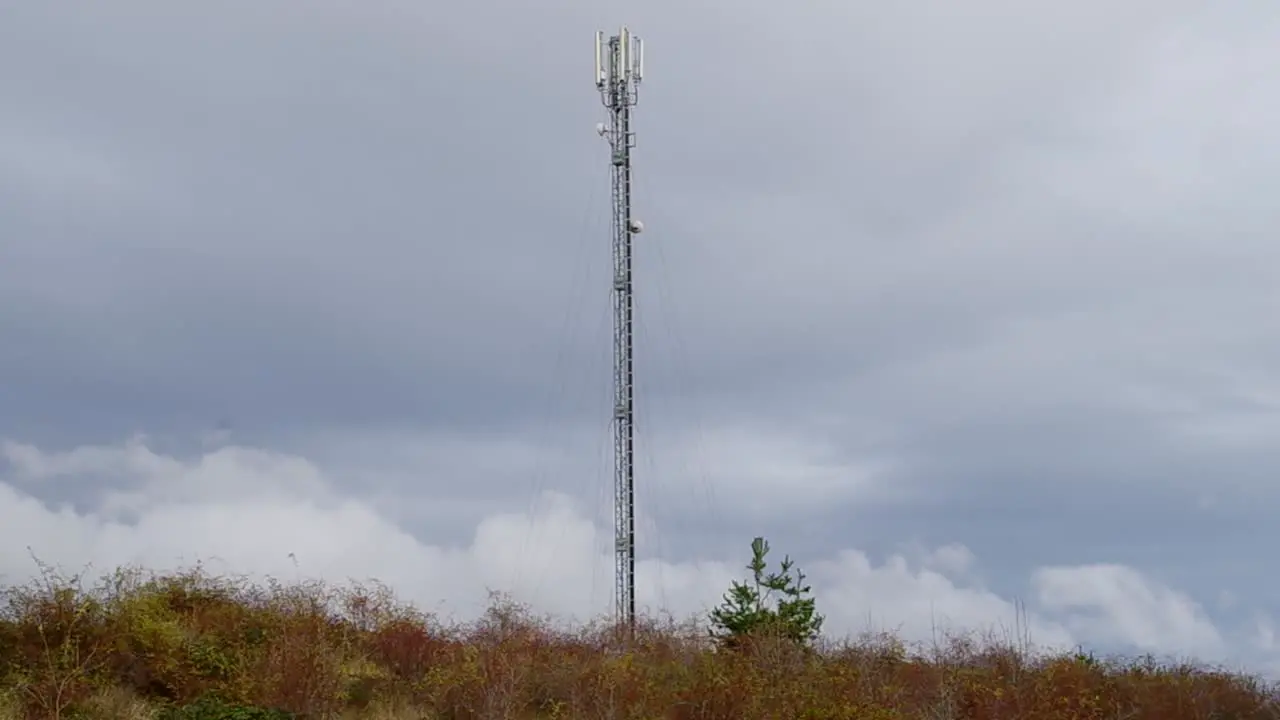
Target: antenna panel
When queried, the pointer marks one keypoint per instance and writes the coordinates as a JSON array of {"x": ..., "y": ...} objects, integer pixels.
[
  {"x": 599, "y": 58},
  {"x": 624, "y": 50}
]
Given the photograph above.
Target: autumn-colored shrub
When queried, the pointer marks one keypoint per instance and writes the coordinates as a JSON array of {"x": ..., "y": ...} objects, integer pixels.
[{"x": 190, "y": 646}]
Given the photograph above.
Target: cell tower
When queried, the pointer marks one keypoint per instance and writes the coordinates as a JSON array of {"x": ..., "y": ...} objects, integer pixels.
[{"x": 619, "y": 68}]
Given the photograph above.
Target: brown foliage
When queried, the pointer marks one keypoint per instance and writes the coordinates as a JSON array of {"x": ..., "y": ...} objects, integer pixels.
[{"x": 138, "y": 640}]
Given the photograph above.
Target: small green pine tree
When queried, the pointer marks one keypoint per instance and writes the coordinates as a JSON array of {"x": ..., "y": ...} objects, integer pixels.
[{"x": 747, "y": 608}]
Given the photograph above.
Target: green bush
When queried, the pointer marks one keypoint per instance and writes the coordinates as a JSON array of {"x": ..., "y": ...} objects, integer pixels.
[{"x": 212, "y": 708}]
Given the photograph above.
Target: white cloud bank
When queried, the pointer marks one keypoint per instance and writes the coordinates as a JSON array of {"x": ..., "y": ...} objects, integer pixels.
[{"x": 255, "y": 511}]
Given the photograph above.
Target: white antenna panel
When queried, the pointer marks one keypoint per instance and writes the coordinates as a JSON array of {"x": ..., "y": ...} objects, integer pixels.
[
  {"x": 623, "y": 50},
  {"x": 599, "y": 58}
]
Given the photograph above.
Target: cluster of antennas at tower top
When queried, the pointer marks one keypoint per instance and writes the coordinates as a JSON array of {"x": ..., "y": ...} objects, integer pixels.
[{"x": 619, "y": 58}]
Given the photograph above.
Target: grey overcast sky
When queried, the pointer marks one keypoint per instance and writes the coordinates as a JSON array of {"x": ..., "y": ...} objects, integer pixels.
[{"x": 963, "y": 305}]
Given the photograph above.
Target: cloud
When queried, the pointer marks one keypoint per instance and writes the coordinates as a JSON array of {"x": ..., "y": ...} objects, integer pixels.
[
  {"x": 1110, "y": 601},
  {"x": 262, "y": 512}
]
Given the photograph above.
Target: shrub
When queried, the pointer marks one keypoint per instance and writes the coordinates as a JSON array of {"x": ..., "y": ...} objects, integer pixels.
[
  {"x": 194, "y": 647},
  {"x": 211, "y": 708}
]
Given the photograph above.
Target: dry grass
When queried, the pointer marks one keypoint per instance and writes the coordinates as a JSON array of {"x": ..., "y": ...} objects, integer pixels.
[{"x": 140, "y": 646}]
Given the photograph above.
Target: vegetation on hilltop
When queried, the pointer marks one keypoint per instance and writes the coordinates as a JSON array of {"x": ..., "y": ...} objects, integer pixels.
[{"x": 191, "y": 646}]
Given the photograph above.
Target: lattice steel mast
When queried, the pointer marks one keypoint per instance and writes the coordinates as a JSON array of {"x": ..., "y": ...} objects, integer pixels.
[{"x": 619, "y": 68}]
